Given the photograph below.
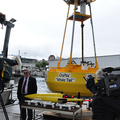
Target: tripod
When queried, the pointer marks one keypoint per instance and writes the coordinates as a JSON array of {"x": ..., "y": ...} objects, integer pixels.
[{"x": 3, "y": 107}]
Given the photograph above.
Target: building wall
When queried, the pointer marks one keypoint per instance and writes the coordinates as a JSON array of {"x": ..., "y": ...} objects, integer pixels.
[
  {"x": 103, "y": 61},
  {"x": 28, "y": 63}
]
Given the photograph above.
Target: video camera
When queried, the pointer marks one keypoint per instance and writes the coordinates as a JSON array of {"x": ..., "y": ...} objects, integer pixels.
[
  {"x": 109, "y": 83},
  {"x": 5, "y": 71}
]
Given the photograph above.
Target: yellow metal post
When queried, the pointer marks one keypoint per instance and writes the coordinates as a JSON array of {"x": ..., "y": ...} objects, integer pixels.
[{"x": 58, "y": 65}]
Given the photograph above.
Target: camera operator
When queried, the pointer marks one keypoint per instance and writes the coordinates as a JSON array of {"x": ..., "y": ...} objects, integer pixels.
[
  {"x": 5, "y": 71},
  {"x": 104, "y": 106}
]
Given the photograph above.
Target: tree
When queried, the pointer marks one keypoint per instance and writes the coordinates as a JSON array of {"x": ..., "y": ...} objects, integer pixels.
[
  {"x": 41, "y": 64},
  {"x": 44, "y": 63},
  {"x": 38, "y": 64}
]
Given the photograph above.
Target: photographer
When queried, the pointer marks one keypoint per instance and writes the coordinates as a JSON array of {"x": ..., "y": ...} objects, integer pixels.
[
  {"x": 5, "y": 71},
  {"x": 106, "y": 102}
]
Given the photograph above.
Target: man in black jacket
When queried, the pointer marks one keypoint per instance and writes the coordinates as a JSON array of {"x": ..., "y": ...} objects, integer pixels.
[
  {"x": 105, "y": 107},
  {"x": 27, "y": 85}
]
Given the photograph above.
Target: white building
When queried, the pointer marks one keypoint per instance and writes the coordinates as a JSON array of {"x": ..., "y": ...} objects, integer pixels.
[{"x": 103, "y": 61}]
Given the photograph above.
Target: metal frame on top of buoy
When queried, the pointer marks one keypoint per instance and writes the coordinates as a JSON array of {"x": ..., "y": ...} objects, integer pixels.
[{"x": 80, "y": 17}]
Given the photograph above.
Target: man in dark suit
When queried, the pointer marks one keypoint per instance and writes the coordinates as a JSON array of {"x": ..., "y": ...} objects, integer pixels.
[{"x": 27, "y": 85}]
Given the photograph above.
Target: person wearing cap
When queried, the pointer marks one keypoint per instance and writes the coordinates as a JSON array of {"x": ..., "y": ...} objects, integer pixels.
[{"x": 27, "y": 85}]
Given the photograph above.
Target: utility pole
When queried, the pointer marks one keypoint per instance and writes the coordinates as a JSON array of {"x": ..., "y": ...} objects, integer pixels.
[{"x": 19, "y": 53}]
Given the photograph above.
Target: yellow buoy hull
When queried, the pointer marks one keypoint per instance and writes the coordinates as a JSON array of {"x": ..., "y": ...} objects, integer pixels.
[{"x": 69, "y": 83}]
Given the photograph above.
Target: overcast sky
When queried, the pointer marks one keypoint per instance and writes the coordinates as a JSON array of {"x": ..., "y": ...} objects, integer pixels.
[{"x": 40, "y": 26}]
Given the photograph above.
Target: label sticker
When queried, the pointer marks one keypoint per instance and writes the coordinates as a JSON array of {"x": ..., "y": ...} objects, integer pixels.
[
  {"x": 64, "y": 77},
  {"x": 64, "y": 74},
  {"x": 88, "y": 75}
]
